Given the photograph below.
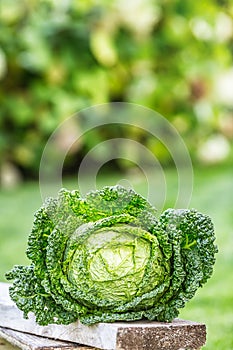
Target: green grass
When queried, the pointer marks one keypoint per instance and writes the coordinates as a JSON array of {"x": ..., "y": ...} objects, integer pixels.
[{"x": 212, "y": 194}]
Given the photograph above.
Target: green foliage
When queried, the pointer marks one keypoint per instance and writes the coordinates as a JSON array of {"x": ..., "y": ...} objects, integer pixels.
[
  {"x": 70, "y": 55},
  {"x": 106, "y": 257}
]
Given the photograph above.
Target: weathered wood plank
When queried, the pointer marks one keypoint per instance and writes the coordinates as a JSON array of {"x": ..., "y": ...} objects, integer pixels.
[
  {"x": 179, "y": 334},
  {"x": 32, "y": 342}
]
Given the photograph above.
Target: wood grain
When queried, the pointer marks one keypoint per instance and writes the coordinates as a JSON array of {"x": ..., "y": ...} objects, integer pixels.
[{"x": 9, "y": 338}]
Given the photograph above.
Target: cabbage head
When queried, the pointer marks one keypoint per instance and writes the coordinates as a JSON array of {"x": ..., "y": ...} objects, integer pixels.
[{"x": 107, "y": 257}]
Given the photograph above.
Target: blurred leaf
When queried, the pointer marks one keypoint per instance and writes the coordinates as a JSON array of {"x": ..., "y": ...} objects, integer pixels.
[
  {"x": 12, "y": 11},
  {"x": 23, "y": 155},
  {"x": 3, "y": 64},
  {"x": 103, "y": 48}
]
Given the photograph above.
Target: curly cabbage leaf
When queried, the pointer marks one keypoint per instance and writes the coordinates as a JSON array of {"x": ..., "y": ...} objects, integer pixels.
[{"x": 107, "y": 257}]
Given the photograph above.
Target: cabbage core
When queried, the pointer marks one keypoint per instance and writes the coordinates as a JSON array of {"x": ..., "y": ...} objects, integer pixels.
[{"x": 111, "y": 263}]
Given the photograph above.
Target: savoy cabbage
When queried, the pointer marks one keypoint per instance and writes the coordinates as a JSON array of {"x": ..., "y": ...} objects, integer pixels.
[{"x": 107, "y": 257}]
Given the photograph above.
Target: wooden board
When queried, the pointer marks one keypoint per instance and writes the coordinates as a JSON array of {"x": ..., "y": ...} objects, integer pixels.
[
  {"x": 179, "y": 334},
  {"x": 27, "y": 341}
]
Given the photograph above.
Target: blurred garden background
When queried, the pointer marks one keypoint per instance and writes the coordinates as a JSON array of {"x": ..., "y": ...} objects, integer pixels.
[{"x": 175, "y": 57}]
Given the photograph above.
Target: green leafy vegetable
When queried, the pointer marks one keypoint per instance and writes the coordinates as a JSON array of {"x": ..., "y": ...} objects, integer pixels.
[{"x": 107, "y": 257}]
